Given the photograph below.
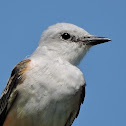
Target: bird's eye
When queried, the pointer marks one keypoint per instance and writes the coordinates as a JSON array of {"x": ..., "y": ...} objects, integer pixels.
[{"x": 65, "y": 36}]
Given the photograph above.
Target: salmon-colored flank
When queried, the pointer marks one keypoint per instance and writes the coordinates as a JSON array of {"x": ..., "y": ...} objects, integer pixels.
[
  {"x": 21, "y": 68},
  {"x": 7, "y": 121}
]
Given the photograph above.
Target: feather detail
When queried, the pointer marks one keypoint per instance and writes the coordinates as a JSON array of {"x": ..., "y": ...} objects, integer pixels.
[{"x": 9, "y": 94}]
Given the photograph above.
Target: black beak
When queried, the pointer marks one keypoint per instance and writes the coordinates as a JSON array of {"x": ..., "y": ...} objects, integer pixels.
[{"x": 94, "y": 40}]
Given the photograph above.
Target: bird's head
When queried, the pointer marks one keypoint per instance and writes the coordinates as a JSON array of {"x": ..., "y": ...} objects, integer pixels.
[{"x": 69, "y": 41}]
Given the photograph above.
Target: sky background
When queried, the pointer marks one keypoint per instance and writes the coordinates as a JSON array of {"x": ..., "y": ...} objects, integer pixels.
[{"x": 104, "y": 66}]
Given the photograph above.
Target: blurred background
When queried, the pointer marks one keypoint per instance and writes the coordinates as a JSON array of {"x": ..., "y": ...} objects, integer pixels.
[{"x": 104, "y": 66}]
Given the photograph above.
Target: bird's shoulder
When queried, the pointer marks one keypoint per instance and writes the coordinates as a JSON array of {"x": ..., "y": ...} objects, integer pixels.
[{"x": 9, "y": 94}]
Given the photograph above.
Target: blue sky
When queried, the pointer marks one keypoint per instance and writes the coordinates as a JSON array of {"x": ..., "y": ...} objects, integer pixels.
[{"x": 21, "y": 24}]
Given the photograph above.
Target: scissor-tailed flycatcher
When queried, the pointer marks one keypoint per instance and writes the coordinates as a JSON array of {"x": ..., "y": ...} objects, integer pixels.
[{"x": 47, "y": 89}]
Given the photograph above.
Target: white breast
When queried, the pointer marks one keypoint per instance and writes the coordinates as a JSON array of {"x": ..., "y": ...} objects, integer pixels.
[{"x": 49, "y": 93}]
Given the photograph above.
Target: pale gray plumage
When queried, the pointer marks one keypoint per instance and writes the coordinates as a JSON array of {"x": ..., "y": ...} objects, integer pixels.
[{"x": 53, "y": 88}]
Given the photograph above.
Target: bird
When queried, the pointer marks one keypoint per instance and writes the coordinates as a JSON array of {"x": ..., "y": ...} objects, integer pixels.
[{"x": 48, "y": 88}]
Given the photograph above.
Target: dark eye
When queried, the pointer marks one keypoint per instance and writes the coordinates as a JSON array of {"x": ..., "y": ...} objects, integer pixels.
[{"x": 65, "y": 36}]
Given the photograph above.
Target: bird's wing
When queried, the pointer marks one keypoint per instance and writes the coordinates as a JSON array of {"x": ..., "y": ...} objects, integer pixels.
[
  {"x": 75, "y": 113},
  {"x": 10, "y": 93}
]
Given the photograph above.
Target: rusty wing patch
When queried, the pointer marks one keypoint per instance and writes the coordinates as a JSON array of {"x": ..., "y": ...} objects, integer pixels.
[{"x": 17, "y": 77}]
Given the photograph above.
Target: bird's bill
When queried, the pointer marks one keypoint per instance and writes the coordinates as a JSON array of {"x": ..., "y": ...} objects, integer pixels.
[{"x": 94, "y": 40}]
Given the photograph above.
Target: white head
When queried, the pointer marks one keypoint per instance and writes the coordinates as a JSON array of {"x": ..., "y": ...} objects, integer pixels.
[{"x": 67, "y": 41}]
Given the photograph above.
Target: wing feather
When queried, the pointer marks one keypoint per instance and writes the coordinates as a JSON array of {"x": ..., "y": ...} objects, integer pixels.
[
  {"x": 75, "y": 113},
  {"x": 16, "y": 78}
]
